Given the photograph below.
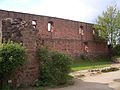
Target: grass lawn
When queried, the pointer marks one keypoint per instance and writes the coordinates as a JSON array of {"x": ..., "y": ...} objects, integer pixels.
[{"x": 87, "y": 64}]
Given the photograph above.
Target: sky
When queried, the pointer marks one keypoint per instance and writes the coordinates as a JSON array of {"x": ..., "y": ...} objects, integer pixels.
[{"x": 78, "y": 10}]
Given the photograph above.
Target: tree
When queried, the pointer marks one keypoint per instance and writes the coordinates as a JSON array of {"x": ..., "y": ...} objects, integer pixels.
[{"x": 108, "y": 25}]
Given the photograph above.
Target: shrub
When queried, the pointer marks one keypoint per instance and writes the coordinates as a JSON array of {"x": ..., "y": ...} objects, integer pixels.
[
  {"x": 45, "y": 63},
  {"x": 12, "y": 55},
  {"x": 116, "y": 50},
  {"x": 54, "y": 69},
  {"x": 60, "y": 67}
]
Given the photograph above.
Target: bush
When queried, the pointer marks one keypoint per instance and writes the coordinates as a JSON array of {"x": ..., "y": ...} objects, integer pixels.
[
  {"x": 60, "y": 67},
  {"x": 116, "y": 50},
  {"x": 12, "y": 55},
  {"x": 45, "y": 63},
  {"x": 54, "y": 68}
]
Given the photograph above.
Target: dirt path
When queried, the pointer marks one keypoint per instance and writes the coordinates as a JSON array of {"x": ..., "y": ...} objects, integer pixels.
[{"x": 105, "y": 81}]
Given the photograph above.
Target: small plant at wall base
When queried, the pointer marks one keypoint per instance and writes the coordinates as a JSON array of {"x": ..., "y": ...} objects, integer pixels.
[
  {"x": 54, "y": 68},
  {"x": 12, "y": 55}
]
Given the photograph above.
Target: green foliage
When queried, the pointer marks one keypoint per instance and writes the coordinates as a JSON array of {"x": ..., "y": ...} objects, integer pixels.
[
  {"x": 108, "y": 24},
  {"x": 45, "y": 67},
  {"x": 43, "y": 54},
  {"x": 6, "y": 87},
  {"x": 12, "y": 55},
  {"x": 54, "y": 68},
  {"x": 60, "y": 67},
  {"x": 116, "y": 50},
  {"x": 97, "y": 37}
]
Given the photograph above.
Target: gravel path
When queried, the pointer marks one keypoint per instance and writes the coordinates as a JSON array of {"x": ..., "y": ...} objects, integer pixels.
[{"x": 105, "y": 81}]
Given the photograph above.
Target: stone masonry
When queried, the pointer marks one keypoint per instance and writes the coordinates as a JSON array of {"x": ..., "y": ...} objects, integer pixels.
[
  {"x": 33, "y": 31},
  {"x": 20, "y": 31}
]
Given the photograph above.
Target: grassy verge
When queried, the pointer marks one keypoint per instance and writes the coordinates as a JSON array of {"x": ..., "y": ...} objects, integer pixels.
[{"x": 88, "y": 64}]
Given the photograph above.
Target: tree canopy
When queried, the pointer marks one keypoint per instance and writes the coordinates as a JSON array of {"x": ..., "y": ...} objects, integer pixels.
[{"x": 108, "y": 25}]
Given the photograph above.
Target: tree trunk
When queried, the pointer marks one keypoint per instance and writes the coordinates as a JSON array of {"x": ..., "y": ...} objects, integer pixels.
[{"x": 110, "y": 52}]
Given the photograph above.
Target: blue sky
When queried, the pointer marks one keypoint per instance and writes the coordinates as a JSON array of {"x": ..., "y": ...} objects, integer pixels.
[{"x": 80, "y": 10}]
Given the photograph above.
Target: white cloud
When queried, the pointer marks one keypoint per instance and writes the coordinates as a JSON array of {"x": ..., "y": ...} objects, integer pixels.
[
  {"x": 80, "y": 10},
  {"x": 70, "y": 9}
]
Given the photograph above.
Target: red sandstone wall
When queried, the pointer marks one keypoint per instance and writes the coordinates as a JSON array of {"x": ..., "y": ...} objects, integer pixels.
[
  {"x": 28, "y": 73},
  {"x": 65, "y": 38},
  {"x": 97, "y": 48},
  {"x": 66, "y": 35},
  {"x": 72, "y": 47},
  {"x": 64, "y": 29}
]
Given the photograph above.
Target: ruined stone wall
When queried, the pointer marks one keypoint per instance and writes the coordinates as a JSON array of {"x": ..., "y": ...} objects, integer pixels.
[
  {"x": 23, "y": 32},
  {"x": 66, "y": 36},
  {"x": 63, "y": 30},
  {"x": 69, "y": 46}
]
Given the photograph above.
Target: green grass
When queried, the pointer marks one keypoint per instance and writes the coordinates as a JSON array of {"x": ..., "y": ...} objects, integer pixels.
[{"x": 88, "y": 64}]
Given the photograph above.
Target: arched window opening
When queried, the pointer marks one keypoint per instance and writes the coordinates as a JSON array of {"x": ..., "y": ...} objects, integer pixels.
[{"x": 34, "y": 23}]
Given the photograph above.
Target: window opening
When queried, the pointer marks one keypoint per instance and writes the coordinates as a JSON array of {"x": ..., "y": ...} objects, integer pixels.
[
  {"x": 34, "y": 23},
  {"x": 86, "y": 47},
  {"x": 50, "y": 26},
  {"x": 81, "y": 30},
  {"x": 93, "y": 32}
]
